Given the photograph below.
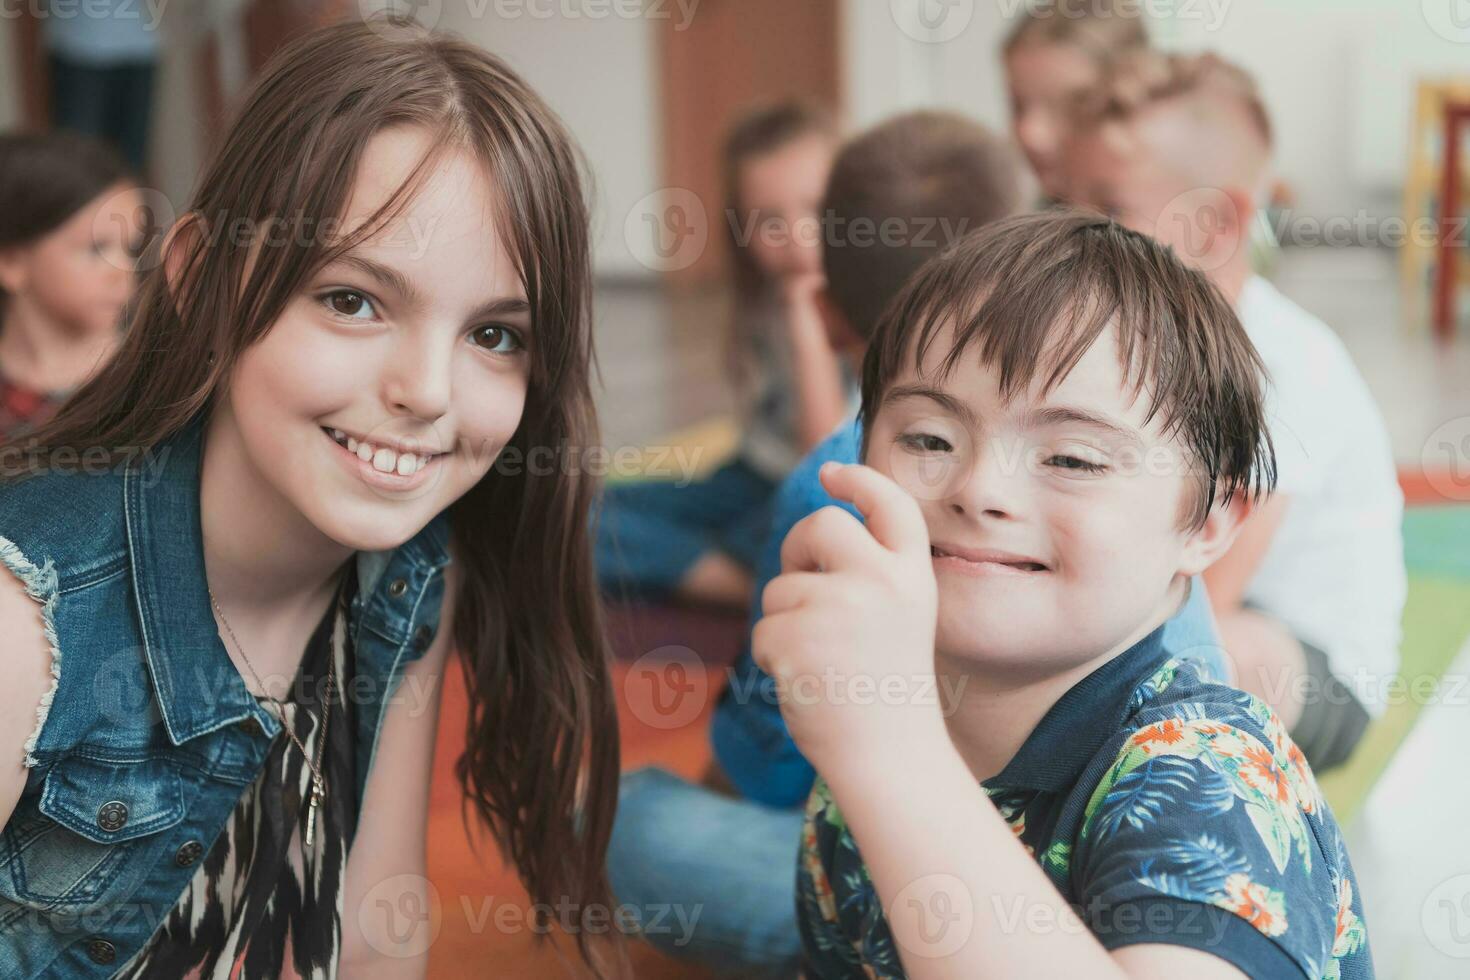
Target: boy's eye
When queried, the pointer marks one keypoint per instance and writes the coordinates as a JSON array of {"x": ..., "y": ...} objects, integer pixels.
[
  {"x": 925, "y": 443},
  {"x": 1075, "y": 463},
  {"x": 350, "y": 303},
  {"x": 499, "y": 340}
]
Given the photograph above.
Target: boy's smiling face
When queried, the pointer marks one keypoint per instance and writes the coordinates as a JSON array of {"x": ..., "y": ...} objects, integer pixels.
[{"x": 1055, "y": 518}]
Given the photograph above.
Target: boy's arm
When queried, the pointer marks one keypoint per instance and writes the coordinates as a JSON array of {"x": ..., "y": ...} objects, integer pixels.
[
  {"x": 821, "y": 402},
  {"x": 958, "y": 889},
  {"x": 751, "y": 745}
]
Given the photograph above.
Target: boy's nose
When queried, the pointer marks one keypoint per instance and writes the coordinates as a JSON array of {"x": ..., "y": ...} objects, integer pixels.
[{"x": 995, "y": 484}]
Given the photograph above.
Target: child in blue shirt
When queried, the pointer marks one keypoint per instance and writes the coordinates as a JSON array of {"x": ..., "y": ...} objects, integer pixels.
[{"x": 1058, "y": 417}]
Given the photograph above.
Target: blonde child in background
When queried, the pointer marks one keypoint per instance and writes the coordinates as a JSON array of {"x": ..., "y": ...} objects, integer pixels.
[
  {"x": 701, "y": 541},
  {"x": 68, "y": 241},
  {"x": 1310, "y": 597},
  {"x": 1056, "y": 54}
]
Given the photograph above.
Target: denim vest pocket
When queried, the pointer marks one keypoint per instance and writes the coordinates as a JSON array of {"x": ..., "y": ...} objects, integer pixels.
[{"x": 84, "y": 844}]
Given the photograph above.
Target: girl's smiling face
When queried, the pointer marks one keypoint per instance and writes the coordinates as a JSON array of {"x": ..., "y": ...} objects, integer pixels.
[
  {"x": 1054, "y": 518},
  {"x": 390, "y": 383}
]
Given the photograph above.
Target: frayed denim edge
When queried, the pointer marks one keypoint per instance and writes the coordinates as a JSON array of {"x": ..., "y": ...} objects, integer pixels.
[{"x": 40, "y": 583}]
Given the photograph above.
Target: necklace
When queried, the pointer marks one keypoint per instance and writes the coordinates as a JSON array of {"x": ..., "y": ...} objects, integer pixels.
[{"x": 318, "y": 782}]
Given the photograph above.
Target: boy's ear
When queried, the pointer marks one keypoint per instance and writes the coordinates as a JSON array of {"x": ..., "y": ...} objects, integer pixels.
[
  {"x": 840, "y": 333},
  {"x": 1208, "y": 544}
]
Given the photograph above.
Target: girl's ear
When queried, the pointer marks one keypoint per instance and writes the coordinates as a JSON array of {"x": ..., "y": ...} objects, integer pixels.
[
  {"x": 12, "y": 269},
  {"x": 178, "y": 245},
  {"x": 1208, "y": 544}
]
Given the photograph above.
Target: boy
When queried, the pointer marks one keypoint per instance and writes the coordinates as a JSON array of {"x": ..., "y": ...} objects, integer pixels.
[
  {"x": 1077, "y": 420},
  {"x": 897, "y": 195},
  {"x": 1310, "y": 598}
]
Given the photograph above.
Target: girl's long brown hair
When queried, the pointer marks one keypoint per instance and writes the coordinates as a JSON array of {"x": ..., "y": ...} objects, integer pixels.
[{"x": 541, "y": 758}]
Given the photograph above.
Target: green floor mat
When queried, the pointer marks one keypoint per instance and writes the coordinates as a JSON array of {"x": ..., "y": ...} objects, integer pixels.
[
  {"x": 1437, "y": 541},
  {"x": 1436, "y": 623}
]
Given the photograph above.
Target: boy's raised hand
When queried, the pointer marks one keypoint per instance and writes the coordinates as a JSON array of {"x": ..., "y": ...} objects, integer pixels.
[{"x": 848, "y": 626}]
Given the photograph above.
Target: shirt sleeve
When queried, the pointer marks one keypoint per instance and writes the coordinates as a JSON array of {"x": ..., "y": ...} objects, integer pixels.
[
  {"x": 1213, "y": 836},
  {"x": 747, "y": 732}
]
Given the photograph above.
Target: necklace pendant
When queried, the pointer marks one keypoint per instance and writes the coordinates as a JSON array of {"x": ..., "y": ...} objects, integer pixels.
[{"x": 316, "y": 797}]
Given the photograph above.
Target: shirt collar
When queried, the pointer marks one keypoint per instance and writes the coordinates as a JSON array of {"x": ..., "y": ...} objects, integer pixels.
[
  {"x": 1083, "y": 719},
  {"x": 196, "y": 685}
]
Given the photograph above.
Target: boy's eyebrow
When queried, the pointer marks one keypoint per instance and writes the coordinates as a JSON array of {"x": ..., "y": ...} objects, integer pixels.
[
  {"x": 1049, "y": 415},
  {"x": 1037, "y": 418},
  {"x": 946, "y": 401},
  {"x": 398, "y": 282}
]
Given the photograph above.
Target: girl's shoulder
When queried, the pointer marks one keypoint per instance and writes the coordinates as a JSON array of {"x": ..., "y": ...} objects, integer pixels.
[{"x": 67, "y": 518}]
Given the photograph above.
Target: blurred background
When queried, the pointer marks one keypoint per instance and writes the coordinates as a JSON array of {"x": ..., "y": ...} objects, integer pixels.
[{"x": 1371, "y": 104}]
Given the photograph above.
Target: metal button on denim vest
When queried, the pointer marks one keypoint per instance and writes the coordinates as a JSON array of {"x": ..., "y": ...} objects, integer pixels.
[{"x": 150, "y": 735}]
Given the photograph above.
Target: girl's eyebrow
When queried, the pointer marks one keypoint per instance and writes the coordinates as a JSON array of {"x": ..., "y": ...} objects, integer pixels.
[{"x": 398, "y": 282}]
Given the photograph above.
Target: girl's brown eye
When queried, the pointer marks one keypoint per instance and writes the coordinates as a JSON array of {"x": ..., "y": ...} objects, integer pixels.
[{"x": 347, "y": 303}]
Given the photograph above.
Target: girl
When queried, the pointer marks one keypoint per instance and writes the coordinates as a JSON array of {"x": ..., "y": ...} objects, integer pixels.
[
  {"x": 701, "y": 541},
  {"x": 275, "y": 509},
  {"x": 67, "y": 249},
  {"x": 1055, "y": 55}
]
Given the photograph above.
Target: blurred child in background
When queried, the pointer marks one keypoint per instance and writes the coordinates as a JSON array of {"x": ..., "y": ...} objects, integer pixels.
[
  {"x": 1310, "y": 597},
  {"x": 700, "y": 541},
  {"x": 67, "y": 251},
  {"x": 1056, "y": 54}
]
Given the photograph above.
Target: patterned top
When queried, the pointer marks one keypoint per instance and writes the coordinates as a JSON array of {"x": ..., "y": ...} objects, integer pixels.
[
  {"x": 262, "y": 904},
  {"x": 23, "y": 409},
  {"x": 1164, "y": 807}
]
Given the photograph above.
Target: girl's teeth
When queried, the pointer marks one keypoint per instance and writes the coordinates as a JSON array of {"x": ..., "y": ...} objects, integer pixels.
[
  {"x": 351, "y": 445},
  {"x": 408, "y": 464},
  {"x": 385, "y": 460},
  {"x": 364, "y": 451}
]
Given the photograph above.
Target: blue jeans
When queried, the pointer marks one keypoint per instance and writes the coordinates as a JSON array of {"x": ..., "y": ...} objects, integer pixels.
[
  {"x": 650, "y": 534},
  {"x": 718, "y": 874}
]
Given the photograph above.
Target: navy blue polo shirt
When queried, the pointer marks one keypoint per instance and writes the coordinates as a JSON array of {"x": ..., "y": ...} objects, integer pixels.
[{"x": 1164, "y": 807}]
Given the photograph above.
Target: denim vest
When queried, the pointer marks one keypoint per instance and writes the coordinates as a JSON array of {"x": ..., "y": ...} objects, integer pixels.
[{"x": 150, "y": 736}]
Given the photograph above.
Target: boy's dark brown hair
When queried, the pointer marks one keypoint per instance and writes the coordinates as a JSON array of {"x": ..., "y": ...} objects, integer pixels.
[
  {"x": 1035, "y": 293},
  {"x": 928, "y": 178},
  {"x": 45, "y": 178}
]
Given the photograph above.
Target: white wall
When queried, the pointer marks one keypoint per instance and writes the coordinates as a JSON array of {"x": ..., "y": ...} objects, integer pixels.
[
  {"x": 9, "y": 76},
  {"x": 600, "y": 75}
]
